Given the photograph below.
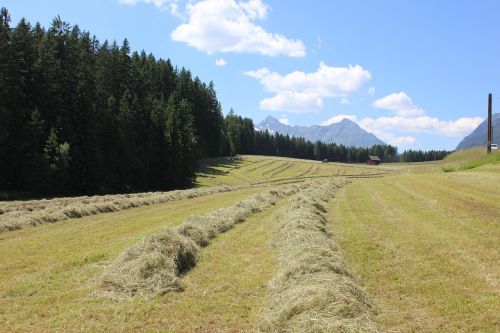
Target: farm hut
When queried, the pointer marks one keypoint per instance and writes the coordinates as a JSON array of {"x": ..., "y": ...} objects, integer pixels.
[{"x": 373, "y": 160}]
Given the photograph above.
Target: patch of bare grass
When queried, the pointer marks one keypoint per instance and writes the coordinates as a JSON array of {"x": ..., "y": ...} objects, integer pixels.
[{"x": 313, "y": 290}]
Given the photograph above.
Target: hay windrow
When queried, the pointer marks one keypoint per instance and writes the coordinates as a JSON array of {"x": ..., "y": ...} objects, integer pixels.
[
  {"x": 19, "y": 214},
  {"x": 152, "y": 267},
  {"x": 313, "y": 290},
  {"x": 156, "y": 265}
]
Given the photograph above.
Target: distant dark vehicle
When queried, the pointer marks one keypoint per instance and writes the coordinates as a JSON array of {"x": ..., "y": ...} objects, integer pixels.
[{"x": 373, "y": 160}]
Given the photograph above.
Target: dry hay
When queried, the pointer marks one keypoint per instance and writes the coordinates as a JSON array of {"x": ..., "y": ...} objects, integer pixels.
[
  {"x": 19, "y": 214},
  {"x": 152, "y": 267},
  {"x": 156, "y": 265},
  {"x": 313, "y": 290}
]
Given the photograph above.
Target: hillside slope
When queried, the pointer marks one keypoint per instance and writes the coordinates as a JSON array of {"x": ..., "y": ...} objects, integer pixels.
[{"x": 478, "y": 136}]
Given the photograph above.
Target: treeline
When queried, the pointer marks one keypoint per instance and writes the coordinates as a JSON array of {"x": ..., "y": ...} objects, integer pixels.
[
  {"x": 244, "y": 139},
  {"x": 422, "y": 156},
  {"x": 80, "y": 116}
]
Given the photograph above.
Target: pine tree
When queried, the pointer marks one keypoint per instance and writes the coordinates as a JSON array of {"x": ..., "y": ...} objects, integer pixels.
[{"x": 93, "y": 118}]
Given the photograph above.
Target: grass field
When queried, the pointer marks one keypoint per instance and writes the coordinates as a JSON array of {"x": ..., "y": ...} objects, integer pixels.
[
  {"x": 426, "y": 246},
  {"x": 48, "y": 271},
  {"x": 274, "y": 170},
  {"x": 424, "y": 243}
]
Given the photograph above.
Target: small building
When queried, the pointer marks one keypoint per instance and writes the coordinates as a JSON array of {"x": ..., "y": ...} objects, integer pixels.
[
  {"x": 373, "y": 160},
  {"x": 325, "y": 161}
]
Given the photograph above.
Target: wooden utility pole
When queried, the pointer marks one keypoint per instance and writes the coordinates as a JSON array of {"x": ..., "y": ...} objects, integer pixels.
[{"x": 490, "y": 130}]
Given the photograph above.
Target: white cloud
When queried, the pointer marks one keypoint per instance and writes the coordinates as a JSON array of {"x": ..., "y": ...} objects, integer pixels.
[
  {"x": 344, "y": 100},
  {"x": 284, "y": 121},
  {"x": 228, "y": 26},
  {"x": 304, "y": 92},
  {"x": 220, "y": 62},
  {"x": 292, "y": 101},
  {"x": 399, "y": 141},
  {"x": 158, "y": 3},
  {"x": 401, "y": 103},
  {"x": 411, "y": 118},
  {"x": 170, "y": 5},
  {"x": 422, "y": 124},
  {"x": 338, "y": 118},
  {"x": 402, "y": 141},
  {"x": 371, "y": 91}
]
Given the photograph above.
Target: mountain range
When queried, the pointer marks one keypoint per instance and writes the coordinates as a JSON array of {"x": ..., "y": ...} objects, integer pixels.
[
  {"x": 479, "y": 135},
  {"x": 345, "y": 132}
]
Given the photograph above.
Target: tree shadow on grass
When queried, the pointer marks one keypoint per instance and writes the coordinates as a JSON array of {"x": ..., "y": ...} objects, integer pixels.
[{"x": 213, "y": 167}]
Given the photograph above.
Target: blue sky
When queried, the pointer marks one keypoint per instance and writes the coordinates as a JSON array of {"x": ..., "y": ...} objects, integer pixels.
[{"x": 415, "y": 73}]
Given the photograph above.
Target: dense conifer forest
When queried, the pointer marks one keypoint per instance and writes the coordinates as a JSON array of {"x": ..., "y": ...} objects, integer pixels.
[{"x": 78, "y": 116}]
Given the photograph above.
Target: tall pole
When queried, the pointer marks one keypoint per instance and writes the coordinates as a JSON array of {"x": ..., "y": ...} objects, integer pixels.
[{"x": 490, "y": 132}]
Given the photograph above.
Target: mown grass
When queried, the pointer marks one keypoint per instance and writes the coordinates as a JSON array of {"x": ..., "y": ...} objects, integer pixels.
[
  {"x": 426, "y": 248},
  {"x": 156, "y": 265},
  {"x": 250, "y": 169},
  {"x": 48, "y": 272},
  {"x": 312, "y": 290},
  {"x": 226, "y": 291},
  {"x": 424, "y": 244},
  {"x": 16, "y": 215}
]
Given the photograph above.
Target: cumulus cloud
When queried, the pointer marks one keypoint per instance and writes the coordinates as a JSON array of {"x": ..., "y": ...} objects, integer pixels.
[
  {"x": 338, "y": 118},
  {"x": 220, "y": 62},
  {"x": 284, "y": 121},
  {"x": 170, "y": 5},
  {"x": 292, "y": 101},
  {"x": 401, "y": 141},
  {"x": 423, "y": 124},
  {"x": 229, "y": 26},
  {"x": 413, "y": 119},
  {"x": 371, "y": 91},
  {"x": 304, "y": 92},
  {"x": 399, "y": 102}
]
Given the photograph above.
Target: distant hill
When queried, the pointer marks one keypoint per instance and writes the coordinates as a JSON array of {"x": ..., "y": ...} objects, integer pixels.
[
  {"x": 345, "y": 132},
  {"x": 479, "y": 135}
]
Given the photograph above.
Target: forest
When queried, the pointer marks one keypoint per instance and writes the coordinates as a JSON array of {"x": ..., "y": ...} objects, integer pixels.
[{"x": 78, "y": 116}]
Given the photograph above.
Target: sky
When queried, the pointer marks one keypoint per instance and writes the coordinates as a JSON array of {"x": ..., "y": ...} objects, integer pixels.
[{"x": 414, "y": 73}]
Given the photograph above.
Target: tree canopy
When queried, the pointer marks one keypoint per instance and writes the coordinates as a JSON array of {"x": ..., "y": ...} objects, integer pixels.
[{"x": 80, "y": 116}]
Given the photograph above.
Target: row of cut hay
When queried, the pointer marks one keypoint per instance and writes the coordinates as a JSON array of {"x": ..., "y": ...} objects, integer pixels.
[
  {"x": 313, "y": 290},
  {"x": 155, "y": 266},
  {"x": 278, "y": 167},
  {"x": 19, "y": 214},
  {"x": 286, "y": 167},
  {"x": 306, "y": 171}
]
